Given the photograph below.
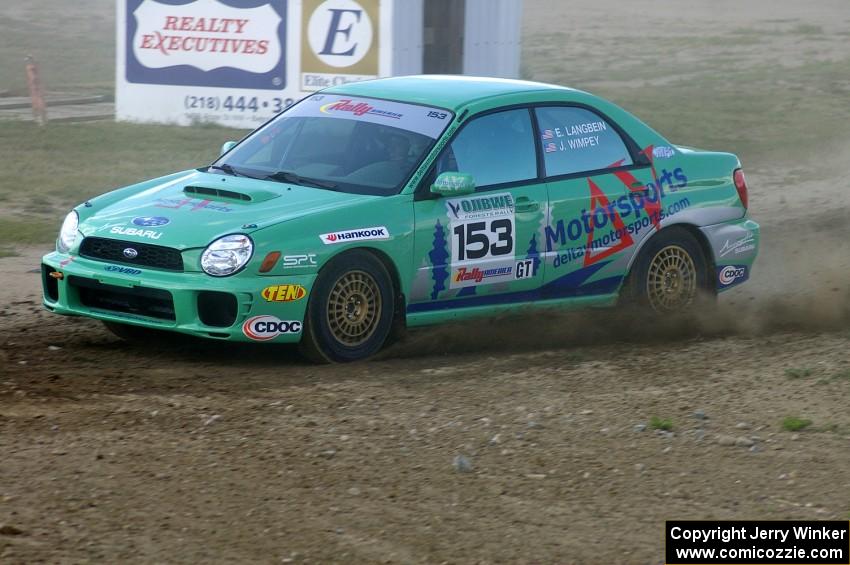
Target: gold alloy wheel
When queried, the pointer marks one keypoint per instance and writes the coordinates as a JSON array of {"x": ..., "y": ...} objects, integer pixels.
[
  {"x": 354, "y": 308},
  {"x": 671, "y": 283}
]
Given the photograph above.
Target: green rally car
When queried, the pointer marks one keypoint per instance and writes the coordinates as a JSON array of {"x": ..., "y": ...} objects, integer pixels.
[{"x": 404, "y": 202}]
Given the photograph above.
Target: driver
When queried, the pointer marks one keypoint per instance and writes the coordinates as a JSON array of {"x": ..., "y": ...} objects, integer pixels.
[{"x": 398, "y": 148}]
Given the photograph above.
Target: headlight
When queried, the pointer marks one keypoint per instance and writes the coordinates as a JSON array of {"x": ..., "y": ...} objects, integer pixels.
[
  {"x": 68, "y": 232},
  {"x": 226, "y": 255}
]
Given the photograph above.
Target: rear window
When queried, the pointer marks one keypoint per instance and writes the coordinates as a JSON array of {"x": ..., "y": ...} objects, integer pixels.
[{"x": 577, "y": 140}]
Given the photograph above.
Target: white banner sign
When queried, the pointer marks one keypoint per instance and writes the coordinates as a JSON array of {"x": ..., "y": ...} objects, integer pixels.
[{"x": 239, "y": 62}]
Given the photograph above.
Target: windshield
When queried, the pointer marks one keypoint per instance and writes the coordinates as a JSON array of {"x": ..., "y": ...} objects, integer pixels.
[{"x": 336, "y": 142}]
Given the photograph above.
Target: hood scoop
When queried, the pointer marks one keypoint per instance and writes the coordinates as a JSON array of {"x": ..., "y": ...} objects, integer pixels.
[{"x": 240, "y": 195}]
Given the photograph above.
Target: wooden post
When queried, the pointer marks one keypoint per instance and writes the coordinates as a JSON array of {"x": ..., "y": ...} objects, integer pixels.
[{"x": 39, "y": 107}]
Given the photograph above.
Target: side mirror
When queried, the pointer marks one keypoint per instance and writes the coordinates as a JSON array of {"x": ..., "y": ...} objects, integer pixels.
[
  {"x": 453, "y": 184},
  {"x": 227, "y": 146}
]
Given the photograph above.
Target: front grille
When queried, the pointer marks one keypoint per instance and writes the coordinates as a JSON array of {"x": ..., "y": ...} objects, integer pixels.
[
  {"x": 156, "y": 256},
  {"x": 148, "y": 302}
]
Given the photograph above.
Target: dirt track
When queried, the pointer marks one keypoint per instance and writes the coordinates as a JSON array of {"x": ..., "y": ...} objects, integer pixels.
[{"x": 199, "y": 452}]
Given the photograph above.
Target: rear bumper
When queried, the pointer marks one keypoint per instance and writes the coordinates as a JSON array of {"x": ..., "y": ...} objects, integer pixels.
[
  {"x": 190, "y": 303},
  {"x": 735, "y": 246}
]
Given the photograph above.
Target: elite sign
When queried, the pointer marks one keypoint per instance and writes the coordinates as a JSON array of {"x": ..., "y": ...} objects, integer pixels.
[{"x": 239, "y": 62}]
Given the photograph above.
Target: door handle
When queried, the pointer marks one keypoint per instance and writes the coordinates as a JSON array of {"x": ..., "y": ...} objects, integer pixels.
[{"x": 525, "y": 204}]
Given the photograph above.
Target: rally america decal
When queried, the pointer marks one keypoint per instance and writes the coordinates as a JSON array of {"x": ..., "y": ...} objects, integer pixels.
[
  {"x": 482, "y": 229},
  {"x": 362, "y": 234}
]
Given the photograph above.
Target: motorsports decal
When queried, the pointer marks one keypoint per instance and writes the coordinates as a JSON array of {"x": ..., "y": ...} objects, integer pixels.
[
  {"x": 642, "y": 206},
  {"x": 482, "y": 239}
]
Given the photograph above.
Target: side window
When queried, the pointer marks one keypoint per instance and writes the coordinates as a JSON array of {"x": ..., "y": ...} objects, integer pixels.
[
  {"x": 575, "y": 140},
  {"x": 494, "y": 149}
]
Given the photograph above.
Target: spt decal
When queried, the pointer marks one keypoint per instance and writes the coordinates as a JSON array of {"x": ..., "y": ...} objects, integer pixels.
[
  {"x": 284, "y": 293},
  {"x": 265, "y": 328}
]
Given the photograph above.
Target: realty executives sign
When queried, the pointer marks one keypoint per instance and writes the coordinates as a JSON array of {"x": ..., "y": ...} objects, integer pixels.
[{"x": 239, "y": 62}]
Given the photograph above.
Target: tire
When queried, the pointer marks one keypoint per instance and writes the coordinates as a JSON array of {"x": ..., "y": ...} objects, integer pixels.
[
  {"x": 134, "y": 334},
  {"x": 351, "y": 310},
  {"x": 671, "y": 274}
]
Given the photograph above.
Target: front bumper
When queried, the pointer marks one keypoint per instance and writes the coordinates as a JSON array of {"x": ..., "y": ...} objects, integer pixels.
[
  {"x": 735, "y": 246},
  {"x": 187, "y": 302}
]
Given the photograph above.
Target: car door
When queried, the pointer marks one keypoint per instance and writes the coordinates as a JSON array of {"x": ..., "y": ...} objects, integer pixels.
[
  {"x": 603, "y": 198},
  {"x": 482, "y": 248}
]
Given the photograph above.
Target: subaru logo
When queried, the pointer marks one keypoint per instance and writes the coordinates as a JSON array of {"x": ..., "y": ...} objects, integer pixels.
[
  {"x": 151, "y": 221},
  {"x": 130, "y": 253}
]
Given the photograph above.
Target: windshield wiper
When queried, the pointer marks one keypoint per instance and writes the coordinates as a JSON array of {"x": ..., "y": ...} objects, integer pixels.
[
  {"x": 229, "y": 170},
  {"x": 289, "y": 176}
]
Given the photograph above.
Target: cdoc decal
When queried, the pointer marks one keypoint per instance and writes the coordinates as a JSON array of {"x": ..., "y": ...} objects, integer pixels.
[
  {"x": 731, "y": 275},
  {"x": 228, "y": 43},
  {"x": 265, "y": 328}
]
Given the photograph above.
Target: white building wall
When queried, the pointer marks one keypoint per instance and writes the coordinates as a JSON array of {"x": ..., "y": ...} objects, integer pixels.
[
  {"x": 492, "y": 40},
  {"x": 407, "y": 44}
]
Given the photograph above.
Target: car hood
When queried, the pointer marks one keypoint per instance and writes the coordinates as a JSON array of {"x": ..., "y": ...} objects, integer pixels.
[{"x": 193, "y": 209}]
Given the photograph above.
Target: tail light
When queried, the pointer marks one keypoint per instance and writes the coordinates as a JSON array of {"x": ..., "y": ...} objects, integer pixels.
[{"x": 741, "y": 186}]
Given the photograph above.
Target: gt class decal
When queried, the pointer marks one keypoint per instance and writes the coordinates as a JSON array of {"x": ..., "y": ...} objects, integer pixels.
[
  {"x": 284, "y": 293},
  {"x": 265, "y": 328},
  {"x": 362, "y": 234},
  {"x": 482, "y": 232}
]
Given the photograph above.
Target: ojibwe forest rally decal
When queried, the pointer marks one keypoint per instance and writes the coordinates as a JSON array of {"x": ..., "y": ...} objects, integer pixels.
[
  {"x": 642, "y": 207},
  {"x": 482, "y": 229}
]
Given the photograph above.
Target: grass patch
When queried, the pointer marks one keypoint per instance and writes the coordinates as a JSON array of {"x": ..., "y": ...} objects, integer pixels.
[
  {"x": 7, "y": 252},
  {"x": 797, "y": 373},
  {"x": 657, "y": 423},
  {"x": 29, "y": 231},
  {"x": 51, "y": 169},
  {"x": 73, "y": 42},
  {"x": 807, "y": 29},
  {"x": 794, "y": 424},
  {"x": 842, "y": 375}
]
